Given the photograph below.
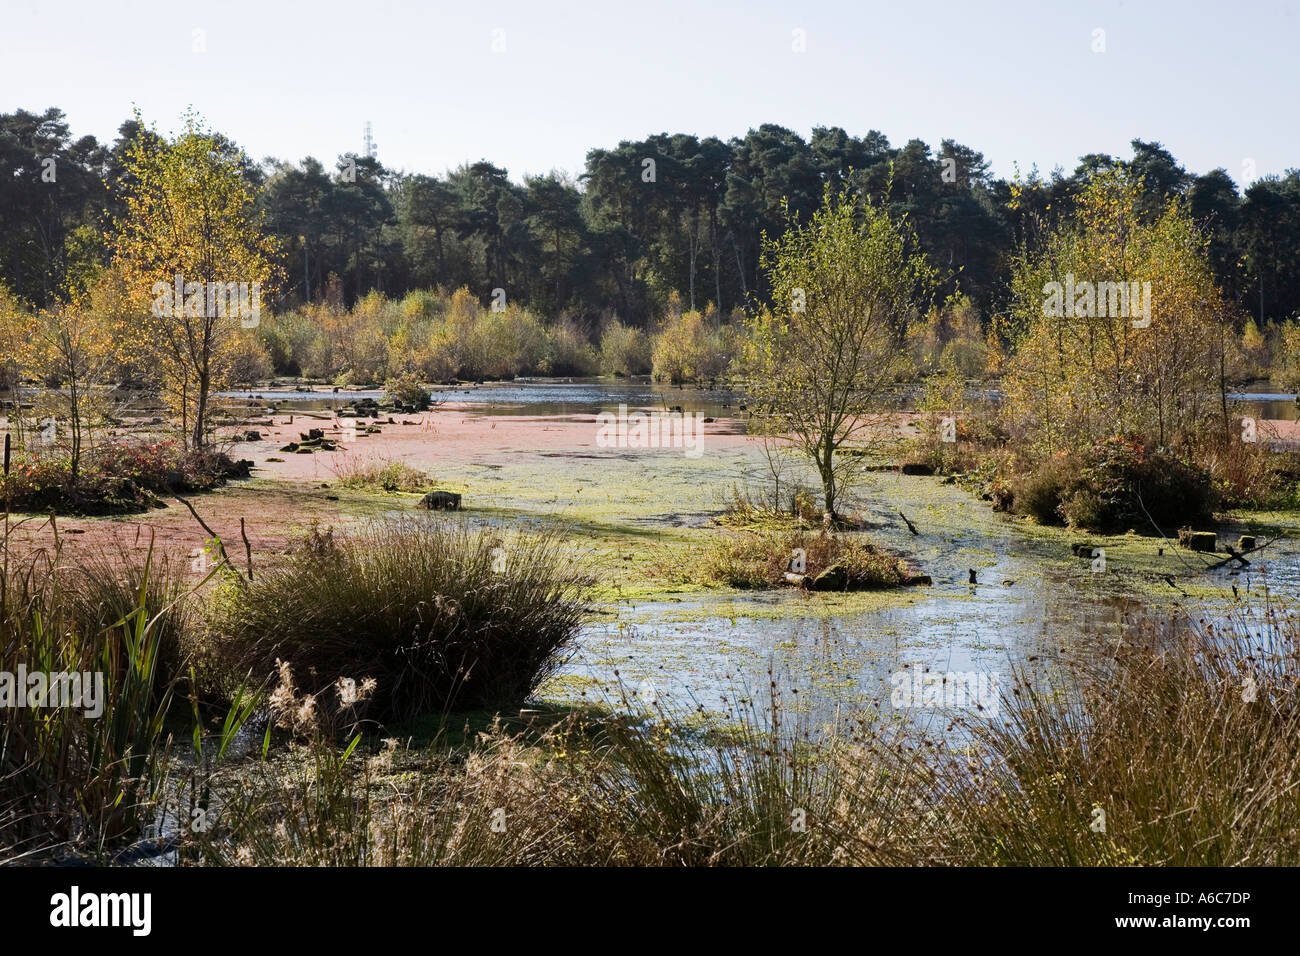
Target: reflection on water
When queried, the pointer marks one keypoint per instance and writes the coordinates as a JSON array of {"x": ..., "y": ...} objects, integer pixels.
[
  {"x": 579, "y": 396},
  {"x": 838, "y": 663},
  {"x": 1274, "y": 405}
]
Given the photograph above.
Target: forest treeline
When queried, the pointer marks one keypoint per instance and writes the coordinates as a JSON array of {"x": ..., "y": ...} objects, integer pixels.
[{"x": 673, "y": 213}]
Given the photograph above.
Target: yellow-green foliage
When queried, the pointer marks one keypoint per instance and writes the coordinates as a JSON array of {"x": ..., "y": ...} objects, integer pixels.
[
  {"x": 568, "y": 351},
  {"x": 624, "y": 350},
  {"x": 1286, "y": 363},
  {"x": 506, "y": 343},
  {"x": 953, "y": 336},
  {"x": 690, "y": 347},
  {"x": 430, "y": 334},
  {"x": 1077, "y": 378}
]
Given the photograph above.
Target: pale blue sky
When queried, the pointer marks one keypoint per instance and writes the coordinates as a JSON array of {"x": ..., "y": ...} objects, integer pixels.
[{"x": 1217, "y": 83}]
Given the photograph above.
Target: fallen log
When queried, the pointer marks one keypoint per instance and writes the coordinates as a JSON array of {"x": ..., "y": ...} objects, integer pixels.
[{"x": 1237, "y": 555}]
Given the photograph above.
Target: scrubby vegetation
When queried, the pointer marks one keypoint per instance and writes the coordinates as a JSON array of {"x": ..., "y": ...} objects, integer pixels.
[
  {"x": 437, "y": 615},
  {"x": 1114, "y": 485},
  {"x": 377, "y": 474},
  {"x": 355, "y": 639},
  {"x": 428, "y": 617},
  {"x": 761, "y": 557},
  {"x": 856, "y": 337},
  {"x": 114, "y": 477},
  {"x": 690, "y": 346},
  {"x": 87, "y": 777},
  {"x": 1084, "y": 770}
]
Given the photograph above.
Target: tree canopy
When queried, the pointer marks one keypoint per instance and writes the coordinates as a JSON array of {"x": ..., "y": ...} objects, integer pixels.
[{"x": 644, "y": 219}]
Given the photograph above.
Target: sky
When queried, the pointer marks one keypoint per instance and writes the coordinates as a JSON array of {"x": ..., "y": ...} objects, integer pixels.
[{"x": 532, "y": 86}]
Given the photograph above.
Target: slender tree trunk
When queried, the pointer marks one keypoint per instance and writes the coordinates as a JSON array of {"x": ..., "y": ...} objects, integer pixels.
[
  {"x": 694, "y": 240},
  {"x": 557, "y": 268},
  {"x": 201, "y": 411},
  {"x": 717, "y": 269},
  {"x": 740, "y": 267},
  {"x": 826, "y": 467},
  {"x": 74, "y": 422}
]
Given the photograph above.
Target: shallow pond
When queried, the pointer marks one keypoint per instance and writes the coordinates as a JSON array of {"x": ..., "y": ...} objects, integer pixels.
[
  {"x": 532, "y": 397},
  {"x": 1032, "y": 603}
]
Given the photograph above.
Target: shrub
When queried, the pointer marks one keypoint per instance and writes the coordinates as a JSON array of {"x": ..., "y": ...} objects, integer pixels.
[
  {"x": 1116, "y": 484},
  {"x": 689, "y": 348},
  {"x": 250, "y": 360},
  {"x": 505, "y": 344},
  {"x": 624, "y": 350},
  {"x": 407, "y": 389},
  {"x": 116, "y": 477},
  {"x": 1251, "y": 475},
  {"x": 419, "y": 605},
  {"x": 567, "y": 351},
  {"x": 1038, "y": 493}
]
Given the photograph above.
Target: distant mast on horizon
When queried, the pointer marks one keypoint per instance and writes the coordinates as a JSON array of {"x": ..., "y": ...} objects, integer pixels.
[{"x": 371, "y": 149}]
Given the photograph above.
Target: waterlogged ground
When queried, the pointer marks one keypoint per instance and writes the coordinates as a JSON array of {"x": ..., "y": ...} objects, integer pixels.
[{"x": 526, "y": 455}]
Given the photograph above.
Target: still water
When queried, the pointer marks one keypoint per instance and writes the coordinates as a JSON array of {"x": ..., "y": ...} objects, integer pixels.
[{"x": 1027, "y": 611}]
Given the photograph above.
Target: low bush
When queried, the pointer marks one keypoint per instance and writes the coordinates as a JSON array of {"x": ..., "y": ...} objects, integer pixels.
[
  {"x": 407, "y": 389},
  {"x": 568, "y": 351},
  {"x": 1252, "y": 475},
  {"x": 690, "y": 348},
  {"x": 624, "y": 350},
  {"x": 115, "y": 477},
  {"x": 1116, "y": 484}
]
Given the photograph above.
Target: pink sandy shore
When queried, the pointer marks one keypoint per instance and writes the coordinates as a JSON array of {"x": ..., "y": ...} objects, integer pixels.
[{"x": 448, "y": 434}]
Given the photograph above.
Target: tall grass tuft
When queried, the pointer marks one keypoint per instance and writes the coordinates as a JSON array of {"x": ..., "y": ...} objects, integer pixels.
[
  {"x": 69, "y": 780},
  {"x": 382, "y": 474},
  {"x": 629, "y": 790},
  {"x": 759, "y": 557},
  {"x": 1177, "y": 749},
  {"x": 437, "y": 614}
]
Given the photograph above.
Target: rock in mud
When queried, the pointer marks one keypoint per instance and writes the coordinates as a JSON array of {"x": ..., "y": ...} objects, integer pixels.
[{"x": 834, "y": 578}]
